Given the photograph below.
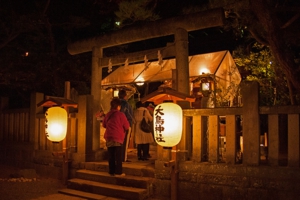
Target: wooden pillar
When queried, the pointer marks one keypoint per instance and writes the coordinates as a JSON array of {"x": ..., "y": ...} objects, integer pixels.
[
  {"x": 230, "y": 139},
  {"x": 293, "y": 140},
  {"x": 35, "y": 98},
  {"x": 85, "y": 130},
  {"x": 273, "y": 136},
  {"x": 184, "y": 147},
  {"x": 96, "y": 79},
  {"x": 174, "y": 79},
  {"x": 213, "y": 138},
  {"x": 251, "y": 134},
  {"x": 182, "y": 61},
  {"x": 182, "y": 82},
  {"x": 197, "y": 138}
]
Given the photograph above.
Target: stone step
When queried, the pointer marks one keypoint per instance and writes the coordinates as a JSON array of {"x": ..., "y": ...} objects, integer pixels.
[
  {"x": 85, "y": 195},
  {"x": 111, "y": 190},
  {"x": 93, "y": 179},
  {"x": 144, "y": 169},
  {"x": 104, "y": 177}
]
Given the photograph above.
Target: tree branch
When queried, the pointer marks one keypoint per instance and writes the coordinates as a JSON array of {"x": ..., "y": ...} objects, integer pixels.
[{"x": 288, "y": 23}]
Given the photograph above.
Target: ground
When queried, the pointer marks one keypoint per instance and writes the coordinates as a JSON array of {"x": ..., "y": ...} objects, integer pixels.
[
  {"x": 35, "y": 187},
  {"x": 12, "y": 187}
]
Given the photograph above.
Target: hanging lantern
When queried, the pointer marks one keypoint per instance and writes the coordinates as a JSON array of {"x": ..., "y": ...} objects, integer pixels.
[
  {"x": 206, "y": 86},
  {"x": 56, "y": 123},
  {"x": 140, "y": 81},
  {"x": 116, "y": 93},
  {"x": 167, "y": 124},
  {"x": 206, "y": 83}
]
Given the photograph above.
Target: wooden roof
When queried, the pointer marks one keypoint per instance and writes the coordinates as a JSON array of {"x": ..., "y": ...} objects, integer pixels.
[
  {"x": 166, "y": 94},
  {"x": 58, "y": 101}
]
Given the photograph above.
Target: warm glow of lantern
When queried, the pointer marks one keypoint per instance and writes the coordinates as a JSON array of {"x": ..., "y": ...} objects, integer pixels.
[
  {"x": 56, "y": 124},
  {"x": 167, "y": 124},
  {"x": 204, "y": 70},
  {"x": 140, "y": 81},
  {"x": 205, "y": 86},
  {"x": 116, "y": 93}
]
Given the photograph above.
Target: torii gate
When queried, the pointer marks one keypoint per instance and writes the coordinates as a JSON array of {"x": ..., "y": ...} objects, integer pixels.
[{"x": 179, "y": 26}]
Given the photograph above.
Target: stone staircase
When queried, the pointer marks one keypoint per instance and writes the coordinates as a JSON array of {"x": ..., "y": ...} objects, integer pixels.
[{"x": 94, "y": 182}]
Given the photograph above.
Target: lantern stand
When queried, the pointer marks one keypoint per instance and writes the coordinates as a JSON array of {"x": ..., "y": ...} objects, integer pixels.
[
  {"x": 66, "y": 161},
  {"x": 173, "y": 165},
  {"x": 168, "y": 130},
  {"x": 65, "y": 157},
  {"x": 64, "y": 103}
]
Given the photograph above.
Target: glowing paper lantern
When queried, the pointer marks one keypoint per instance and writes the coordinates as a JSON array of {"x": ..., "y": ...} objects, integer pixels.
[
  {"x": 167, "y": 124},
  {"x": 56, "y": 124},
  {"x": 116, "y": 93}
]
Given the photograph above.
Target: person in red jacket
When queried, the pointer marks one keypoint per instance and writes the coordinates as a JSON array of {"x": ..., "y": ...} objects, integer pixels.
[{"x": 116, "y": 125}]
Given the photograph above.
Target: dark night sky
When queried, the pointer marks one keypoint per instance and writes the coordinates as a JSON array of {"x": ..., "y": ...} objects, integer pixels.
[{"x": 70, "y": 21}]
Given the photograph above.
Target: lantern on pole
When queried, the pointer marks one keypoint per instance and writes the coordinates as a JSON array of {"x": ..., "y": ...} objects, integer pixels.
[
  {"x": 56, "y": 123},
  {"x": 167, "y": 124},
  {"x": 206, "y": 84}
]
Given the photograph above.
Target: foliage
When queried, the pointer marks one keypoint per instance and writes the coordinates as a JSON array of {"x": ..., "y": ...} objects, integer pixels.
[
  {"x": 44, "y": 28},
  {"x": 133, "y": 11},
  {"x": 259, "y": 65},
  {"x": 274, "y": 24}
]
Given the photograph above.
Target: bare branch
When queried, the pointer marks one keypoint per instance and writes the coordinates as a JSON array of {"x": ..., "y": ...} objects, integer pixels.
[{"x": 288, "y": 23}]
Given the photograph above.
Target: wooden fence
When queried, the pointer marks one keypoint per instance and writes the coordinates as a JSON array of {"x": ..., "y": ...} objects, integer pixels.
[
  {"x": 14, "y": 125},
  {"x": 254, "y": 135}
]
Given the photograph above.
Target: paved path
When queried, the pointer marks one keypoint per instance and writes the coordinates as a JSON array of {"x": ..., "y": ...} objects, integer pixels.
[{"x": 34, "y": 187}]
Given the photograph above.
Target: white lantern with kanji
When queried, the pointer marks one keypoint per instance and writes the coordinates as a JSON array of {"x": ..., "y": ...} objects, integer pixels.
[
  {"x": 167, "y": 124},
  {"x": 56, "y": 124}
]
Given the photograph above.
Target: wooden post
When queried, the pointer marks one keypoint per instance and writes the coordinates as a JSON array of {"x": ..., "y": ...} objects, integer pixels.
[
  {"x": 182, "y": 61},
  {"x": 197, "y": 138},
  {"x": 250, "y": 92},
  {"x": 84, "y": 139},
  {"x": 174, "y": 174},
  {"x": 230, "y": 139},
  {"x": 96, "y": 92},
  {"x": 35, "y": 98},
  {"x": 65, "y": 165},
  {"x": 213, "y": 139},
  {"x": 293, "y": 140},
  {"x": 273, "y": 132}
]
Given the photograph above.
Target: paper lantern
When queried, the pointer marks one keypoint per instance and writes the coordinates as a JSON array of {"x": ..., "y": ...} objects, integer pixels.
[
  {"x": 206, "y": 84},
  {"x": 56, "y": 124},
  {"x": 167, "y": 124},
  {"x": 115, "y": 93}
]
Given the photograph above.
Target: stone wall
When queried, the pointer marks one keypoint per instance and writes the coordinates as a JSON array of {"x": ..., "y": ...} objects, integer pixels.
[
  {"x": 222, "y": 181},
  {"x": 24, "y": 156}
]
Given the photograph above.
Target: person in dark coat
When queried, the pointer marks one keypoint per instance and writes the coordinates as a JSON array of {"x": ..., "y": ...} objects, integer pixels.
[{"x": 128, "y": 111}]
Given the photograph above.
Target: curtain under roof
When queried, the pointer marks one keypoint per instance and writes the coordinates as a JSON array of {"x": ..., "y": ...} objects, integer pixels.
[{"x": 198, "y": 64}]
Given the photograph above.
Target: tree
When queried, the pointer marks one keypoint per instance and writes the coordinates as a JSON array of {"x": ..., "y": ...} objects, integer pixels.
[
  {"x": 260, "y": 65},
  {"x": 43, "y": 29},
  {"x": 274, "y": 24},
  {"x": 136, "y": 11},
  {"x": 282, "y": 49}
]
